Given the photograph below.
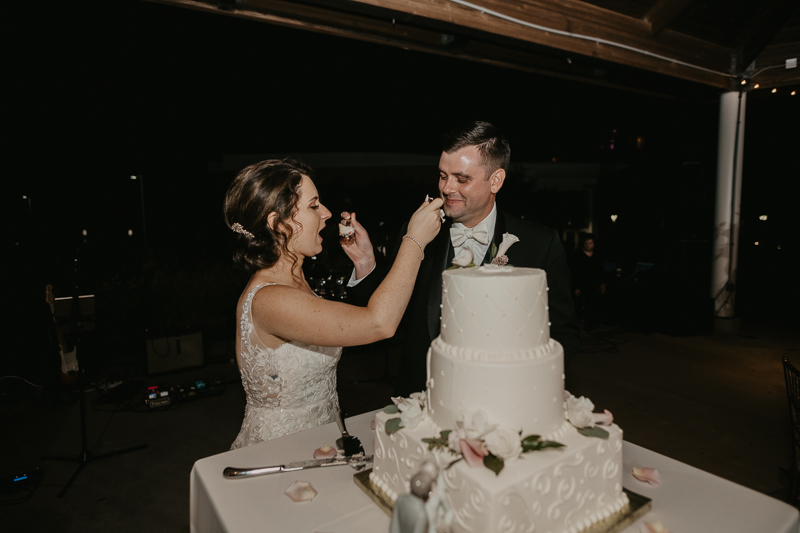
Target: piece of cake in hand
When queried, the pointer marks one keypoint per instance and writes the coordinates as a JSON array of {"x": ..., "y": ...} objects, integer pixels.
[{"x": 346, "y": 230}]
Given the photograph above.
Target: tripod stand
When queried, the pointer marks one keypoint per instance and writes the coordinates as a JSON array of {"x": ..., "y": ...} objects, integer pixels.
[{"x": 76, "y": 325}]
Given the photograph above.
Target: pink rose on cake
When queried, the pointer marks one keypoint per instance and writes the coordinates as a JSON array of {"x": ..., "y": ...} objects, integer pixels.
[
  {"x": 473, "y": 451},
  {"x": 503, "y": 443}
]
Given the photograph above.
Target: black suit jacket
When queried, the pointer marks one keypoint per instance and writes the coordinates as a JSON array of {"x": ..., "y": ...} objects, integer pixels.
[{"x": 538, "y": 247}]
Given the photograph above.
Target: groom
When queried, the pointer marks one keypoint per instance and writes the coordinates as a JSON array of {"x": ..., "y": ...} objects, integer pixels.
[{"x": 472, "y": 169}]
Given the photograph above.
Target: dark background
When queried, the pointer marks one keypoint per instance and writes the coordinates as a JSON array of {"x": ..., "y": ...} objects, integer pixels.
[{"x": 100, "y": 91}]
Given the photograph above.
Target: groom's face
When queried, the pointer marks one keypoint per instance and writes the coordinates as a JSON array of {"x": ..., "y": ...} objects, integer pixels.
[{"x": 467, "y": 187}]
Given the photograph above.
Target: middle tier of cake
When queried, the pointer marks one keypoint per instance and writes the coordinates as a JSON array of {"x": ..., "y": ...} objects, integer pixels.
[{"x": 523, "y": 390}]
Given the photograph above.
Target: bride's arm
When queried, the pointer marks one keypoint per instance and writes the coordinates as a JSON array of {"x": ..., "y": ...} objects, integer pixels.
[{"x": 290, "y": 313}]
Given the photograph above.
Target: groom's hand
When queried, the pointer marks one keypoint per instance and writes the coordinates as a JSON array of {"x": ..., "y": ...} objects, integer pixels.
[{"x": 359, "y": 248}]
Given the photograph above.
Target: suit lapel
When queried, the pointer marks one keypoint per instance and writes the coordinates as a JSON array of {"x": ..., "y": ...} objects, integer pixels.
[
  {"x": 499, "y": 230},
  {"x": 442, "y": 255}
]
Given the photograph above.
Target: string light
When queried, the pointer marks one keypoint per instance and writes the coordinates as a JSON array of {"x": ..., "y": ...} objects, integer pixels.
[
  {"x": 614, "y": 218},
  {"x": 744, "y": 82},
  {"x": 793, "y": 93},
  {"x": 756, "y": 243},
  {"x": 762, "y": 217},
  {"x": 774, "y": 90},
  {"x": 756, "y": 86}
]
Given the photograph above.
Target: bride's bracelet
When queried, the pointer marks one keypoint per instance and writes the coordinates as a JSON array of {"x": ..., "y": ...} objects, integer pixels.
[{"x": 417, "y": 243}]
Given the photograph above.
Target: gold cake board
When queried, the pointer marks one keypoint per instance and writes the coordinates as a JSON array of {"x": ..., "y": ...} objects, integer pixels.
[{"x": 637, "y": 506}]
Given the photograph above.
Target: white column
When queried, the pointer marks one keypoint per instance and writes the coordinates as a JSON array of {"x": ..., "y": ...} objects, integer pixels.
[{"x": 729, "y": 191}]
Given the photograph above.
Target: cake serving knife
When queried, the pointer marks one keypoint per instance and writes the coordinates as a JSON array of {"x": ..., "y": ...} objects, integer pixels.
[
  {"x": 359, "y": 460},
  {"x": 349, "y": 444}
]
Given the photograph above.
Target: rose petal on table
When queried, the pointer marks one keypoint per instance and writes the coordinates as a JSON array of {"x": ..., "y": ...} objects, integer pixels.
[
  {"x": 653, "y": 527},
  {"x": 324, "y": 452},
  {"x": 605, "y": 418},
  {"x": 648, "y": 475},
  {"x": 301, "y": 491}
]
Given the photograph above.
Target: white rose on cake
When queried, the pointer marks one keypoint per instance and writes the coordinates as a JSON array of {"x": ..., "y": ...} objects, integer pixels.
[
  {"x": 475, "y": 424},
  {"x": 579, "y": 412},
  {"x": 420, "y": 397},
  {"x": 410, "y": 411},
  {"x": 503, "y": 443}
]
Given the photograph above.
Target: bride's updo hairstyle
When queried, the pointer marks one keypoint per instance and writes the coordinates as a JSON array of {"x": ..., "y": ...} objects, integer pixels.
[{"x": 258, "y": 190}]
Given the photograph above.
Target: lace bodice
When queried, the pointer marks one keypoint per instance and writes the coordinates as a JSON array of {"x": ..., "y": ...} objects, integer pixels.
[{"x": 289, "y": 388}]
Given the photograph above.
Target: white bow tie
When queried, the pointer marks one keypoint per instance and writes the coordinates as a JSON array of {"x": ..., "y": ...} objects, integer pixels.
[{"x": 459, "y": 235}]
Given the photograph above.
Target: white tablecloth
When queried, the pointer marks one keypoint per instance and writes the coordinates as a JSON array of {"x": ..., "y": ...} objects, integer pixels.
[{"x": 688, "y": 500}]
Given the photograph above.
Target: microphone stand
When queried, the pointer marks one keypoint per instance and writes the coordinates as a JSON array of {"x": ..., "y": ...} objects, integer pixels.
[{"x": 85, "y": 456}]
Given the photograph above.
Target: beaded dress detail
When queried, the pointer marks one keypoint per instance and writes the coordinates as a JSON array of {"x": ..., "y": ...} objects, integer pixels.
[{"x": 289, "y": 388}]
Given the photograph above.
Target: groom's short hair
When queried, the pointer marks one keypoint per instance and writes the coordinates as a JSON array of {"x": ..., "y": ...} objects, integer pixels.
[{"x": 491, "y": 144}]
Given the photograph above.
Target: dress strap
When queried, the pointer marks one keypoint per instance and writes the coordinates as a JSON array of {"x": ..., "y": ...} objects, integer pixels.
[{"x": 246, "y": 326}]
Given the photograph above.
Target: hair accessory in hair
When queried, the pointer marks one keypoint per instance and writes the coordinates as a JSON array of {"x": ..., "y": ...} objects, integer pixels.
[{"x": 238, "y": 228}]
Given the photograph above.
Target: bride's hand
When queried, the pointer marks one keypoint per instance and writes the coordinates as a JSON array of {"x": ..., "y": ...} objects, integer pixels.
[{"x": 425, "y": 223}]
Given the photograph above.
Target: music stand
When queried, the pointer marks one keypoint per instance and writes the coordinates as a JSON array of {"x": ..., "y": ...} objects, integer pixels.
[{"x": 76, "y": 314}]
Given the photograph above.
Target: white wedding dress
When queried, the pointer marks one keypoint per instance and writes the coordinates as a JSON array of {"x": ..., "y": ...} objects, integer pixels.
[{"x": 289, "y": 388}]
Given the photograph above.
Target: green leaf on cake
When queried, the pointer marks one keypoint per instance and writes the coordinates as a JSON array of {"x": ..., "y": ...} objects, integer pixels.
[
  {"x": 533, "y": 443},
  {"x": 392, "y": 425},
  {"x": 438, "y": 443},
  {"x": 391, "y": 409},
  {"x": 529, "y": 443},
  {"x": 495, "y": 464},
  {"x": 596, "y": 431},
  {"x": 494, "y": 250},
  {"x": 445, "y": 435}
]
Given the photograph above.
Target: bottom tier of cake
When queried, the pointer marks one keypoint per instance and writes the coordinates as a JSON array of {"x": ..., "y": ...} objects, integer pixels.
[{"x": 552, "y": 490}]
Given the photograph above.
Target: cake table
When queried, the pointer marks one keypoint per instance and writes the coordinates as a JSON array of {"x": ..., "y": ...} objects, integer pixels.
[{"x": 688, "y": 500}]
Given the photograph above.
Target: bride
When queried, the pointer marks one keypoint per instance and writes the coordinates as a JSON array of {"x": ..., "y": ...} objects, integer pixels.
[{"x": 289, "y": 338}]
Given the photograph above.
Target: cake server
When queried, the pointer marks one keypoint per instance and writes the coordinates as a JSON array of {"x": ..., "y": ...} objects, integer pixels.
[
  {"x": 349, "y": 444},
  {"x": 233, "y": 472}
]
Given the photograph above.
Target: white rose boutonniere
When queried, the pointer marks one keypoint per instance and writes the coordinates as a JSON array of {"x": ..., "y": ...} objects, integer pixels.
[{"x": 500, "y": 257}]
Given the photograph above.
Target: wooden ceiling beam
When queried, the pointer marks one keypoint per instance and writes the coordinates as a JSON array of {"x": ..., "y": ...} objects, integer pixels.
[
  {"x": 419, "y": 24},
  {"x": 664, "y": 12},
  {"x": 770, "y": 67},
  {"x": 399, "y": 34},
  {"x": 636, "y": 47},
  {"x": 761, "y": 31}
]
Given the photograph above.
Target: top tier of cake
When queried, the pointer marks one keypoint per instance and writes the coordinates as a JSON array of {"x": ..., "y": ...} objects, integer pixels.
[{"x": 495, "y": 309}]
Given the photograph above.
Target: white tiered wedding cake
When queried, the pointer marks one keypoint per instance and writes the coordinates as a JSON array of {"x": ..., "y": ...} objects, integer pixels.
[{"x": 494, "y": 378}]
